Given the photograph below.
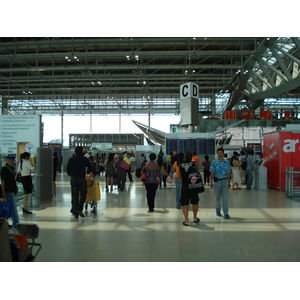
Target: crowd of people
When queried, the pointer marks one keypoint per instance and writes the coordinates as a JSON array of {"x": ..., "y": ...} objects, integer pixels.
[{"x": 221, "y": 174}]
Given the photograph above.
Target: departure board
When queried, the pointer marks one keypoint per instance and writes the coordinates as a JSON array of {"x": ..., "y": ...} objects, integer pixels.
[
  {"x": 180, "y": 145},
  {"x": 200, "y": 146},
  {"x": 190, "y": 145},
  {"x": 170, "y": 146},
  {"x": 209, "y": 146}
]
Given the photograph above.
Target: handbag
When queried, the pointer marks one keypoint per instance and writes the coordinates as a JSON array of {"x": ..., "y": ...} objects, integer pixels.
[
  {"x": 124, "y": 165},
  {"x": 5, "y": 207},
  {"x": 19, "y": 178},
  {"x": 195, "y": 183},
  {"x": 143, "y": 176},
  {"x": 170, "y": 178},
  {"x": 163, "y": 171}
]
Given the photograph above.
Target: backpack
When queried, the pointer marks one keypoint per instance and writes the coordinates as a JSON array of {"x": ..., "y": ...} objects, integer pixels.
[
  {"x": 244, "y": 164},
  {"x": 194, "y": 180}
]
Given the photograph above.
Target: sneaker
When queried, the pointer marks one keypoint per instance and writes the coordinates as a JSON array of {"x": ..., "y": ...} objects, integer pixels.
[
  {"x": 218, "y": 213},
  {"x": 226, "y": 216}
]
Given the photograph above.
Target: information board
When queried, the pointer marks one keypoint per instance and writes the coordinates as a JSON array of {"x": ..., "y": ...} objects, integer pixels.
[
  {"x": 23, "y": 128},
  {"x": 200, "y": 146}
]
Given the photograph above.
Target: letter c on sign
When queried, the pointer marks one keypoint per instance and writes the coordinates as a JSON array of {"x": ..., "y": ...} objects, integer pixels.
[{"x": 183, "y": 93}]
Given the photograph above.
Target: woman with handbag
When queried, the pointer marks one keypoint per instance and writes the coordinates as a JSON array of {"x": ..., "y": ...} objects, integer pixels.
[
  {"x": 24, "y": 169},
  {"x": 188, "y": 195},
  {"x": 163, "y": 170}
]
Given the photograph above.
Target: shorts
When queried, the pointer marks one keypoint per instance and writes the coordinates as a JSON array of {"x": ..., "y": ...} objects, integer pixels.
[
  {"x": 187, "y": 196},
  {"x": 27, "y": 184}
]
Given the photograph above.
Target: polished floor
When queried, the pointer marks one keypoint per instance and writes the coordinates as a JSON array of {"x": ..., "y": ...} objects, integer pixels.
[{"x": 264, "y": 227}]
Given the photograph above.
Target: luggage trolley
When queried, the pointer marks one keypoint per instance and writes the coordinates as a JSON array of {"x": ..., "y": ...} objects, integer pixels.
[{"x": 92, "y": 195}]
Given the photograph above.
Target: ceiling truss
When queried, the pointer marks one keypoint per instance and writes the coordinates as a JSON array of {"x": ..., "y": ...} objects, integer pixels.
[
  {"x": 273, "y": 71},
  {"x": 141, "y": 75}
]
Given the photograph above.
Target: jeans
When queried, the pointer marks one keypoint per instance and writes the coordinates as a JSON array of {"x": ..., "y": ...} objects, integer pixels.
[
  {"x": 221, "y": 190},
  {"x": 249, "y": 178},
  {"x": 177, "y": 186},
  {"x": 151, "y": 192},
  {"x": 78, "y": 184},
  {"x": 10, "y": 197}
]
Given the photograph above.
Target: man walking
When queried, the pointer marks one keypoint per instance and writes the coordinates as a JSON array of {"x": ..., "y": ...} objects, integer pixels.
[
  {"x": 220, "y": 179},
  {"x": 76, "y": 168}
]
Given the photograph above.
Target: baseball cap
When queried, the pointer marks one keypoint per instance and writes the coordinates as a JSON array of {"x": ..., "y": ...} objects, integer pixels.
[{"x": 11, "y": 156}]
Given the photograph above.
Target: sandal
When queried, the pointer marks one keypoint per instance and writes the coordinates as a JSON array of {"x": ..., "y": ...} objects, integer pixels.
[
  {"x": 198, "y": 220},
  {"x": 185, "y": 224}
]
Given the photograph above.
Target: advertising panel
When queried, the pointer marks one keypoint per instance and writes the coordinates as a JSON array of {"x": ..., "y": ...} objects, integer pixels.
[
  {"x": 281, "y": 150},
  {"x": 14, "y": 129}
]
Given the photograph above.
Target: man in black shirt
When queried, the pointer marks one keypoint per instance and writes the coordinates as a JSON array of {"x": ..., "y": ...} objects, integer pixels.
[
  {"x": 76, "y": 168},
  {"x": 9, "y": 186}
]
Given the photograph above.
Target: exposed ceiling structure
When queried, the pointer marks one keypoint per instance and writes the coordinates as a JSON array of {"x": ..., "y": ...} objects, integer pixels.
[{"x": 143, "y": 75}]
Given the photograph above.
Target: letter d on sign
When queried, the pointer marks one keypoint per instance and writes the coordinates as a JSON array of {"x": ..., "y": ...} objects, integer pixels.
[{"x": 195, "y": 91}]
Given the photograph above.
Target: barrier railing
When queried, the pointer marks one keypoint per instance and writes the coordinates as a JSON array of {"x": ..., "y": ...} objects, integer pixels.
[{"x": 292, "y": 182}]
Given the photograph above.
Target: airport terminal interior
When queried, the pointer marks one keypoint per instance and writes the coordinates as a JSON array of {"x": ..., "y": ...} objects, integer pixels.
[{"x": 238, "y": 93}]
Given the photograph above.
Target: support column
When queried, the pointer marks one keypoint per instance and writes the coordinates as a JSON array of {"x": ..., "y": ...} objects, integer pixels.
[
  {"x": 120, "y": 121},
  {"x": 62, "y": 128}
]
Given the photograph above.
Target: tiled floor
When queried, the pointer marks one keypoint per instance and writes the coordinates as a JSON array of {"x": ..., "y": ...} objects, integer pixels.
[{"x": 264, "y": 227}]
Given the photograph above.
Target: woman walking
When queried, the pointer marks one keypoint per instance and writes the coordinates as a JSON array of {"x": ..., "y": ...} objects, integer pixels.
[
  {"x": 236, "y": 174},
  {"x": 121, "y": 174},
  {"x": 177, "y": 163},
  {"x": 153, "y": 175},
  {"x": 24, "y": 168},
  {"x": 110, "y": 171}
]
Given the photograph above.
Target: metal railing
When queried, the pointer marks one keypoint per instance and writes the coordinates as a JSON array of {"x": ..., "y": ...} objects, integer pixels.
[{"x": 292, "y": 182}]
